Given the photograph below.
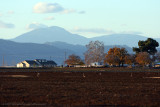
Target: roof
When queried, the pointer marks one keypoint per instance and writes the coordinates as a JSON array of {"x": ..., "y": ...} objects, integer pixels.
[
  {"x": 41, "y": 60},
  {"x": 45, "y": 62},
  {"x": 50, "y": 62},
  {"x": 31, "y": 62}
]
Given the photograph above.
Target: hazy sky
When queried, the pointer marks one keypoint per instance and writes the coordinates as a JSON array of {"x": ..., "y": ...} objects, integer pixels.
[{"x": 85, "y": 17}]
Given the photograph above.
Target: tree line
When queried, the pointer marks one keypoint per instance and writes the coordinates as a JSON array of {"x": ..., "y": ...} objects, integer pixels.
[{"x": 145, "y": 55}]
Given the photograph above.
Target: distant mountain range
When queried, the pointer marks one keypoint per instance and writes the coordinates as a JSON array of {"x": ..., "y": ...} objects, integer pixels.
[
  {"x": 14, "y": 52},
  {"x": 50, "y": 34},
  {"x": 53, "y": 34},
  {"x": 80, "y": 49},
  {"x": 54, "y": 42},
  {"x": 122, "y": 39}
]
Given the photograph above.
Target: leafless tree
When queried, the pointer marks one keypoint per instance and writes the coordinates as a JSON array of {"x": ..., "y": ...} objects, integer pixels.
[
  {"x": 95, "y": 52},
  {"x": 157, "y": 57}
]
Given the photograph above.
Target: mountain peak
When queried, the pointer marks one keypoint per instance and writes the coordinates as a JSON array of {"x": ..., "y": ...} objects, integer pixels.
[
  {"x": 55, "y": 33},
  {"x": 56, "y": 27},
  {"x": 51, "y": 34}
]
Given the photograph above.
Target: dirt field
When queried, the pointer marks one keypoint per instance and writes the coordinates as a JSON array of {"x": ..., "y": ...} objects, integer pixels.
[{"x": 103, "y": 88}]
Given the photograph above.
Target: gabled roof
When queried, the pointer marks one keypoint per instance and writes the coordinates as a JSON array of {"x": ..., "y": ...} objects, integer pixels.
[
  {"x": 41, "y": 60},
  {"x": 31, "y": 62},
  {"x": 45, "y": 62},
  {"x": 50, "y": 62}
]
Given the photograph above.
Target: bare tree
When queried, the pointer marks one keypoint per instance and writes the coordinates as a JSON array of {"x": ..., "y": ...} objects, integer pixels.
[
  {"x": 157, "y": 57},
  {"x": 95, "y": 52}
]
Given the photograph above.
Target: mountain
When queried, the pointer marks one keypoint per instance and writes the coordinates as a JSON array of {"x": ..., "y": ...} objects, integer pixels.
[
  {"x": 121, "y": 39},
  {"x": 50, "y": 34},
  {"x": 80, "y": 49},
  {"x": 129, "y": 49},
  {"x": 55, "y": 42},
  {"x": 53, "y": 34},
  {"x": 16, "y": 52}
]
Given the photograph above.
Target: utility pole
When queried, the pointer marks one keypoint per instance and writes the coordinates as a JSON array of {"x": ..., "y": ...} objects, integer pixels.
[
  {"x": 3, "y": 61},
  {"x": 64, "y": 58}
]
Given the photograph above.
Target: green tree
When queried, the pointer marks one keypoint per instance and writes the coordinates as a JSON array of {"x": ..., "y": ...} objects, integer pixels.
[{"x": 148, "y": 46}]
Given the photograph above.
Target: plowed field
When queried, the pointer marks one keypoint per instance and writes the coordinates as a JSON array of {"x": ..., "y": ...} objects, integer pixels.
[{"x": 79, "y": 88}]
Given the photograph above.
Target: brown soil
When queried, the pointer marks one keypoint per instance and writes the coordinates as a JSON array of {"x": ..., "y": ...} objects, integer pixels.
[{"x": 79, "y": 88}]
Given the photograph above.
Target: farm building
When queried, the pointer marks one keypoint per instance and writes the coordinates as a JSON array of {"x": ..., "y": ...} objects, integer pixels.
[
  {"x": 36, "y": 63},
  {"x": 96, "y": 64},
  {"x": 157, "y": 65},
  {"x": 46, "y": 63},
  {"x": 28, "y": 63}
]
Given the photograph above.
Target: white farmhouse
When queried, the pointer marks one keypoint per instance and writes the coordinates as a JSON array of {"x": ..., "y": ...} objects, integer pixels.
[
  {"x": 36, "y": 63},
  {"x": 28, "y": 63}
]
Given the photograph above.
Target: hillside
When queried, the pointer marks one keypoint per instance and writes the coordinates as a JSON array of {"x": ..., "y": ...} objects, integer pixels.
[
  {"x": 80, "y": 49},
  {"x": 120, "y": 39},
  {"x": 15, "y": 52},
  {"x": 53, "y": 34},
  {"x": 54, "y": 42},
  {"x": 50, "y": 34}
]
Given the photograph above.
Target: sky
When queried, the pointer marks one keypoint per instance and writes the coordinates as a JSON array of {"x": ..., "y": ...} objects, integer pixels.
[{"x": 89, "y": 18}]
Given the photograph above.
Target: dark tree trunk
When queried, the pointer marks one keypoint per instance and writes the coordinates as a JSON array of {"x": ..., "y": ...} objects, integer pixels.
[{"x": 122, "y": 64}]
